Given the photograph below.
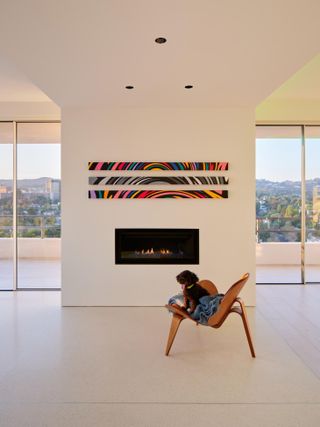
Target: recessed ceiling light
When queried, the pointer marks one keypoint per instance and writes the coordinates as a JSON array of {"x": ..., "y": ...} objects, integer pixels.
[
  {"x": 188, "y": 87},
  {"x": 160, "y": 40},
  {"x": 129, "y": 87}
]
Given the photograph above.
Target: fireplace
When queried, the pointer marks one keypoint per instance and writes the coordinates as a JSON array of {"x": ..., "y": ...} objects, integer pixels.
[{"x": 156, "y": 246}]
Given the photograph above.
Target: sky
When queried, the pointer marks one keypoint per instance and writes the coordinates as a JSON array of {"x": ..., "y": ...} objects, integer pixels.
[
  {"x": 280, "y": 159},
  {"x": 276, "y": 160},
  {"x": 33, "y": 161}
]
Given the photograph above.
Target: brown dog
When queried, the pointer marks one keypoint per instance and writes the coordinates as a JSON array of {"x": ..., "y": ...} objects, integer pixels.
[{"x": 192, "y": 291}]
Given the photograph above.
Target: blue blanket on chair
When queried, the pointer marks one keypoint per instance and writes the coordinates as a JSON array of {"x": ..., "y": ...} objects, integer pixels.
[{"x": 208, "y": 305}]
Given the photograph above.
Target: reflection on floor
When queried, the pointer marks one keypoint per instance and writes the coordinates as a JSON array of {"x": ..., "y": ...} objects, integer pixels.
[
  {"x": 105, "y": 366},
  {"x": 293, "y": 311},
  {"x": 35, "y": 273},
  {"x": 286, "y": 274}
]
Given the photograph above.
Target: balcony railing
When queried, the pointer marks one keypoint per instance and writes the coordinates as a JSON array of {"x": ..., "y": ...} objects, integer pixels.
[
  {"x": 29, "y": 226},
  {"x": 282, "y": 229}
]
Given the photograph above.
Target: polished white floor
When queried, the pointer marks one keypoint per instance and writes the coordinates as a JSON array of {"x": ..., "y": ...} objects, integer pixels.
[{"x": 106, "y": 366}]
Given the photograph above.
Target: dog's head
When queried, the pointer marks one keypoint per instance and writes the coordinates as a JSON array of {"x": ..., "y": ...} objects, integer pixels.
[{"x": 187, "y": 278}]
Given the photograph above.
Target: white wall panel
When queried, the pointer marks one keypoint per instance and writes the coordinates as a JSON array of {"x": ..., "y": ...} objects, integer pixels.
[{"x": 227, "y": 240}]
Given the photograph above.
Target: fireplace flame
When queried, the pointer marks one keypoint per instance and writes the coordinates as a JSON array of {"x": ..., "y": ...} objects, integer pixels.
[
  {"x": 151, "y": 251},
  {"x": 147, "y": 252},
  {"x": 165, "y": 252}
]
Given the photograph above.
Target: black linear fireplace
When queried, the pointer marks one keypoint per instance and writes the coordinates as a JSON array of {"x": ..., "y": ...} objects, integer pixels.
[{"x": 157, "y": 246}]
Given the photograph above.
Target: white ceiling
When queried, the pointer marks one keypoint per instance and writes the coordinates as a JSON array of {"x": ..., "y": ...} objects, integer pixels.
[
  {"x": 16, "y": 87},
  {"x": 235, "y": 53}
]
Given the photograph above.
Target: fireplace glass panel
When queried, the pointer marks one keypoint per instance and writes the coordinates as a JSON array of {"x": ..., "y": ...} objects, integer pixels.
[{"x": 156, "y": 246}]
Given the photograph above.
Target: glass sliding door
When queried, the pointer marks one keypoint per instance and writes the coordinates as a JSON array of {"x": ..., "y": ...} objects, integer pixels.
[
  {"x": 278, "y": 204},
  {"x": 38, "y": 205},
  {"x": 312, "y": 247},
  {"x": 6, "y": 207}
]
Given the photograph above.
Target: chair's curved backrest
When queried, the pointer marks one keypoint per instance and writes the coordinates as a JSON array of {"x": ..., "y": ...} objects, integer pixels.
[
  {"x": 227, "y": 302},
  {"x": 209, "y": 286}
]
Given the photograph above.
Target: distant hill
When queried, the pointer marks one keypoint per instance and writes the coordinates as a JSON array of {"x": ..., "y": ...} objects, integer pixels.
[
  {"x": 27, "y": 183},
  {"x": 284, "y": 187}
]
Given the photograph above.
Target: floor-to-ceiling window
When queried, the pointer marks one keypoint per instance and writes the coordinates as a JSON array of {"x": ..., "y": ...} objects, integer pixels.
[
  {"x": 312, "y": 169},
  {"x": 287, "y": 207},
  {"x": 30, "y": 233},
  {"x": 6, "y": 207}
]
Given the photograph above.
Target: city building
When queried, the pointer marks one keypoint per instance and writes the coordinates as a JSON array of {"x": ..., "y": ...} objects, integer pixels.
[
  {"x": 3, "y": 190},
  {"x": 53, "y": 187}
]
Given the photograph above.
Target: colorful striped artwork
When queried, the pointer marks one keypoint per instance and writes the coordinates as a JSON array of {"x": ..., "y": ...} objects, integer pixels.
[
  {"x": 159, "y": 179},
  {"x": 187, "y": 166},
  {"x": 163, "y": 180},
  {"x": 160, "y": 194}
]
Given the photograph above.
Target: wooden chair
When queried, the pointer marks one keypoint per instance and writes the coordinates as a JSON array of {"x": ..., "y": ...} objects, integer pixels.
[{"x": 226, "y": 307}]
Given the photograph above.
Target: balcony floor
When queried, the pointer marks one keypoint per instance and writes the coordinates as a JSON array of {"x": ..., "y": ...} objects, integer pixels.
[
  {"x": 32, "y": 274},
  {"x": 278, "y": 274},
  {"x": 46, "y": 274}
]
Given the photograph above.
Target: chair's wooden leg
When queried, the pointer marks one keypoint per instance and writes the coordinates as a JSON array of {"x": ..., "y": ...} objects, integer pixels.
[
  {"x": 175, "y": 323},
  {"x": 246, "y": 326}
]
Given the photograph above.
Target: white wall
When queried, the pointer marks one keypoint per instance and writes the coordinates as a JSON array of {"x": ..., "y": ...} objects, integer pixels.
[
  {"x": 227, "y": 240},
  {"x": 288, "y": 253},
  {"x": 295, "y": 111},
  {"x": 29, "y": 111}
]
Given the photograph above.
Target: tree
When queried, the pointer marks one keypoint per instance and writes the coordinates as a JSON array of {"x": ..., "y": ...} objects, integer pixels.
[{"x": 289, "y": 212}]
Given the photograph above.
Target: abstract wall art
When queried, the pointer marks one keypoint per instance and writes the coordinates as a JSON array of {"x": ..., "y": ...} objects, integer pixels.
[
  {"x": 158, "y": 194},
  {"x": 171, "y": 166},
  {"x": 190, "y": 179},
  {"x": 158, "y": 180}
]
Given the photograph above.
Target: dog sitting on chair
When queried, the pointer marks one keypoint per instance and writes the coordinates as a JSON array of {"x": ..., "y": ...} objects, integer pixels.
[{"x": 192, "y": 291}]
